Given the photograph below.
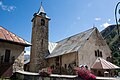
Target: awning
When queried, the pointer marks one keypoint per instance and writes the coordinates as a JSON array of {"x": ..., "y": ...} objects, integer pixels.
[{"x": 101, "y": 63}]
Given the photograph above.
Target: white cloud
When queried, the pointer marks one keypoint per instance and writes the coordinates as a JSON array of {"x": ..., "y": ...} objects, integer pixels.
[
  {"x": 27, "y": 52},
  {"x": 105, "y": 25},
  {"x": 97, "y": 19},
  {"x": 109, "y": 19},
  {"x": 6, "y": 8}
]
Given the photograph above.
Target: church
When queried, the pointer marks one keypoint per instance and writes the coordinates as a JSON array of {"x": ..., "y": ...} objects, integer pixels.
[{"x": 83, "y": 48}]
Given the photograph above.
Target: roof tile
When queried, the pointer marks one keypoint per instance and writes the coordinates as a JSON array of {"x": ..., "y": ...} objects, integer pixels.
[
  {"x": 101, "y": 63},
  {"x": 6, "y": 35}
]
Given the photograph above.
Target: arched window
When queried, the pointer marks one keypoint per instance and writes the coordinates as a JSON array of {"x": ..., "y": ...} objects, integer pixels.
[
  {"x": 96, "y": 54},
  {"x": 42, "y": 22},
  {"x": 100, "y": 54}
]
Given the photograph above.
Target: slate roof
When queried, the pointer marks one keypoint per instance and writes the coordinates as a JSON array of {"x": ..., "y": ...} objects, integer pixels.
[
  {"x": 101, "y": 63},
  {"x": 51, "y": 46},
  {"x": 41, "y": 10},
  {"x": 70, "y": 44},
  {"x": 8, "y": 36}
]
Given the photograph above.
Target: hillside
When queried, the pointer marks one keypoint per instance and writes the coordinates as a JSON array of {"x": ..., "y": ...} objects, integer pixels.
[
  {"x": 26, "y": 57},
  {"x": 110, "y": 34}
]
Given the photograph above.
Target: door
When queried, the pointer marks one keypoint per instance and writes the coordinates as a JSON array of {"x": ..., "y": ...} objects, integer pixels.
[{"x": 7, "y": 56}]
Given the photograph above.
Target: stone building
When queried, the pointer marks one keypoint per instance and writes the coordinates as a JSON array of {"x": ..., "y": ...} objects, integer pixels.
[
  {"x": 11, "y": 52},
  {"x": 82, "y": 48}
]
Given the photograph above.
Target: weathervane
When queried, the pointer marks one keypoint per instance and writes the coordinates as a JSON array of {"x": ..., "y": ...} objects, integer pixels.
[{"x": 41, "y": 2}]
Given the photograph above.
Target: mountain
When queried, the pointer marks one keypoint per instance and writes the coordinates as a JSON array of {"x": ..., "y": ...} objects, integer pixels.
[
  {"x": 26, "y": 57},
  {"x": 110, "y": 34}
]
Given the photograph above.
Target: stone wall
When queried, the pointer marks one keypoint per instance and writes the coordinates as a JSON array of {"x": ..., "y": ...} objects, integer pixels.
[
  {"x": 39, "y": 44},
  {"x": 86, "y": 54},
  {"x": 66, "y": 59}
]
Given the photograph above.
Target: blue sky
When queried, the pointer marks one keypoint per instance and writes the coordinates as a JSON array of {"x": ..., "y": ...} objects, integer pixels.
[{"x": 68, "y": 17}]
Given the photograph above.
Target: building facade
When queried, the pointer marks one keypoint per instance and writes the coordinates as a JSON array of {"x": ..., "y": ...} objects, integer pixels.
[
  {"x": 83, "y": 48},
  {"x": 11, "y": 53}
]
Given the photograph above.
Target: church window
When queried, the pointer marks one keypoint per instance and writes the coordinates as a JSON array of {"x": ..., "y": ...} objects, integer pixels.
[
  {"x": 42, "y": 22},
  {"x": 95, "y": 53},
  {"x": 100, "y": 54}
]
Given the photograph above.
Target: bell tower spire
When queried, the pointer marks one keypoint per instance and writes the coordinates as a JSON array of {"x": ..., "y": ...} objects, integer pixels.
[
  {"x": 39, "y": 40},
  {"x": 41, "y": 10}
]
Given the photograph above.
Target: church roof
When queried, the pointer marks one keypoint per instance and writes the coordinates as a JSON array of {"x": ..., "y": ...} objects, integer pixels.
[
  {"x": 70, "y": 44},
  {"x": 101, "y": 63},
  {"x": 41, "y": 10},
  {"x": 51, "y": 46},
  {"x": 8, "y": 36}
]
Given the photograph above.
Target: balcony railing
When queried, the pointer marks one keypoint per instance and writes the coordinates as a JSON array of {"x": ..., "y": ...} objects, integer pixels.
[{"x": 22, "y": 75}]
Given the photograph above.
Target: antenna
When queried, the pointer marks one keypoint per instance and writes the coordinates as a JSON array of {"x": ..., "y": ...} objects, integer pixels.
[
  {"x": 40, "y": 7},
  {"x": 41, "y": 2}
]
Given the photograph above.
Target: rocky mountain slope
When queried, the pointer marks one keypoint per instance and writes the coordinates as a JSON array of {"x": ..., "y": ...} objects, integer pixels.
[{"x": 111, "y": 36}]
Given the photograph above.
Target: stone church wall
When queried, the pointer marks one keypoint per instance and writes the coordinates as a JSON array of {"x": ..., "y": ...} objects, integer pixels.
[
  {"x": 39, "y": 42},
  {"x": 94, "y": 43},
  {"x": 66, "y": 60}
]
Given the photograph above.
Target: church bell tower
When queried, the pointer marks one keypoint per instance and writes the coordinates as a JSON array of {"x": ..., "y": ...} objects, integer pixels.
[{"x": 39, "y": 40}]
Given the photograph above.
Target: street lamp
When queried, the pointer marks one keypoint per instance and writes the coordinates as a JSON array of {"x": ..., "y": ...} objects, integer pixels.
[{"x": 116, "y": 19}]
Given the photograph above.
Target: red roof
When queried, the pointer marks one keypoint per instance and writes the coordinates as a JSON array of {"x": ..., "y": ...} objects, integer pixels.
[
  {"x": 101, "y": 63},
  {"x": 7, "y": 36}
]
